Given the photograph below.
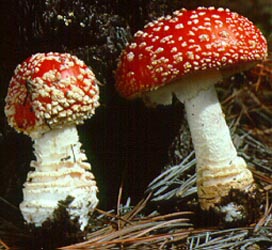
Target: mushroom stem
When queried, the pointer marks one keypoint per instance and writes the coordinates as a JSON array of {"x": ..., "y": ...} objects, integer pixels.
[
  {"x": 219, "y": 169},
  {"x": 210, "y": 133},
  {"x": 60, "y": 171}
]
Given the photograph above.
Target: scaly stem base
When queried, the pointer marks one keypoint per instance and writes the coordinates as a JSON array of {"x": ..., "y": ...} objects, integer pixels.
[{"x": 60, "y": 171}]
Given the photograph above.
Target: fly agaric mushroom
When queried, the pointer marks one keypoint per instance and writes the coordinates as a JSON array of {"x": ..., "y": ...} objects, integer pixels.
[
  {"x": 49, "y": 94},
  {"x": 186, "y": 55}
]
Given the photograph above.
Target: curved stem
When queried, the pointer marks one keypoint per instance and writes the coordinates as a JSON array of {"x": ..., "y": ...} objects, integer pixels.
[{"x": 218, "y": 167}]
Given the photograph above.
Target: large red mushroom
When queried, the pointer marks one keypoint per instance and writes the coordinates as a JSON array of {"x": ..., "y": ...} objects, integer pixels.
[
  {"x": 49, "y": 94},
  {"x": 185, "y": 55}
]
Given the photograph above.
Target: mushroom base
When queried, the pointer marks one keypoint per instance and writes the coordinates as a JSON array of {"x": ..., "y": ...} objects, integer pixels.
[
  {"x": 60, "y": 171},
  {"x": 214, "y": 182}
]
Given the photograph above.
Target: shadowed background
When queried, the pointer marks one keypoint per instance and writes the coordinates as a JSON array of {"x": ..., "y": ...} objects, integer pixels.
[{"x": 124, "y": 140}]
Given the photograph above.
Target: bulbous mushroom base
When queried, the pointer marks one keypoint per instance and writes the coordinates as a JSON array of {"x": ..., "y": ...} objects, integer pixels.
[
  {"x": 215, "y": 182},
  {"x": 60, "y": 172}
]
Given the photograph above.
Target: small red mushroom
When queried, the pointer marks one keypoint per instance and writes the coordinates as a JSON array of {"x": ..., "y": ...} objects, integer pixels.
[
  {"x": 49, "y": 94},
  {"x": 186, "y": 54}
]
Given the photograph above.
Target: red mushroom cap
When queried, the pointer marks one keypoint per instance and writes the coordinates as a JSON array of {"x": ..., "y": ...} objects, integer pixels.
[
  {"x": 49, "y": 90},
  {"x": 188, "y": 41}
]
